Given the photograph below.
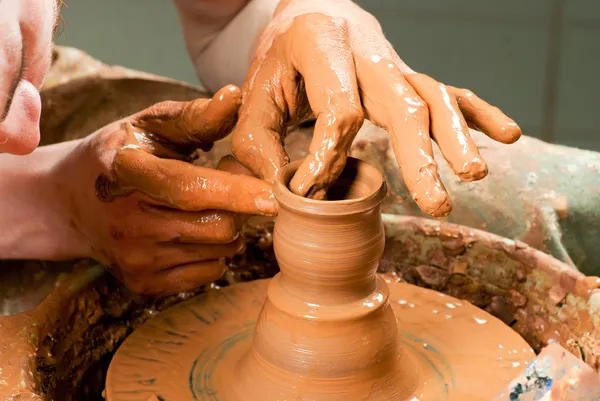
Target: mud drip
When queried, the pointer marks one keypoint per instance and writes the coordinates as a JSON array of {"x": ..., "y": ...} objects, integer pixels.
[{"x": 326, "y": 328}]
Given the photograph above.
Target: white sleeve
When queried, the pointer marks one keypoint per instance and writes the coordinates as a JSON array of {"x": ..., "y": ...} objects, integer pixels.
[{"x": 223, "y": 56}]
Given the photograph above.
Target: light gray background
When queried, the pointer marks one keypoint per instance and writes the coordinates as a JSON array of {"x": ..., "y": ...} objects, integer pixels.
[{"x": 539, "y": 60}]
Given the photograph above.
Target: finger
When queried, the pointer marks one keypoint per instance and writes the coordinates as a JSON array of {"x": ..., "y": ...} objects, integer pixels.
[
  {"x": 134, "y": 257},
  {"x": 148, "y": 221},
  {"x": 11, "y": 56},
  {"x": 20, "y": 131},
  {"x": 189, "y": 252},
  {"x": 448, "y": 128},
  {"x": 198, "y": 123},
  {"x": 183, "y": 186},
  {"x": 230, "y": 164},
  {"x": 185, "y": 277},
  {"x": 391, "y": 103},
  {"x": 327, "y": 67},
  {"x": 166, "y": 254},
  {"x": 208, "y": 227},
  {"x": 484, "y": 117},
  {"x": 257, "y": 141},
  {"x": 138, "y": 138}
]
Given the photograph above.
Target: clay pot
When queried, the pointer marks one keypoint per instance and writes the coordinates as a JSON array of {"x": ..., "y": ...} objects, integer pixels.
[
  {"x": 327, "y": 330},
  {"x": 87, "y": 316}
]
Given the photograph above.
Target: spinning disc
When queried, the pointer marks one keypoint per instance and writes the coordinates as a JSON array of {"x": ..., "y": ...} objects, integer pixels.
[{"x": 190, "y": 351}]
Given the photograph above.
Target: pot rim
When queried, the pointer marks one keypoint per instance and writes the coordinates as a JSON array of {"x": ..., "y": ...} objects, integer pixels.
[{"x": 289, "y": 200}]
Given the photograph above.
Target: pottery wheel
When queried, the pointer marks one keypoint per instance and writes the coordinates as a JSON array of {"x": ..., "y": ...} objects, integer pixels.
[{"x": 190, "y": 351}]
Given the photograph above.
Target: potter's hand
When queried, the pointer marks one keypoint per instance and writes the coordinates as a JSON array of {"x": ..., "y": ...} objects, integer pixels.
[
  {"x": 163, "y": 225},
  {"x": 26, "y": 28},
  {"x": 330, "y": 60}
]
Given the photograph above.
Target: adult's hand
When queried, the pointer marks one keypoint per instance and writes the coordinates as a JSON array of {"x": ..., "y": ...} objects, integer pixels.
[
  {"x": 26, "y": 29},
  {"x": 160, "y": 223},
  {"x": 330, "y": 60}
]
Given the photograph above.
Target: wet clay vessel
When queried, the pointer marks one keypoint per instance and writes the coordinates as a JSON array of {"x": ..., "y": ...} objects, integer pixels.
[{"x": 329, "y": 328}]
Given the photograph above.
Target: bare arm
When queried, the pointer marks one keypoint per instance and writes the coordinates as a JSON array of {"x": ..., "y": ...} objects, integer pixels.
[
  {"x": 221, "y": 36},
  {"x": 202, "y": 20},
  {"x": 33, "y": 214}
]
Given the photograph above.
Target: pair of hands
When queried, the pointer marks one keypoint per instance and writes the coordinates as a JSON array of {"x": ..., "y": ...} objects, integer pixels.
[
  {"x": 164, "y": 225},
  {"x": 161, "y": 224}
]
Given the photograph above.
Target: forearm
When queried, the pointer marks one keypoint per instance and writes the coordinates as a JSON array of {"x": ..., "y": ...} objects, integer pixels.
[
  {"x": 34, "y": 218},
  {"x": 221, "y": 45},
  {"x": 202, "y": 20}
]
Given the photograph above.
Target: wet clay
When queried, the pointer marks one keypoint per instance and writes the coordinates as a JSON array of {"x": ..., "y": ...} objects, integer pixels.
[
  {"x": 330, "y": 328},
  {"x": 298, "y": 75},
  {"x": 149, "y": 148},
  {"x": 487, "y": 258},
  {"x": 161, "y": 224}
]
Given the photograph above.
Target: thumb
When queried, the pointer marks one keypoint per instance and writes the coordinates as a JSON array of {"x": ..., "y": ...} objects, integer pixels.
[
  {"x": 20, "y": 131},
  {"x": 198, "y": 123}
]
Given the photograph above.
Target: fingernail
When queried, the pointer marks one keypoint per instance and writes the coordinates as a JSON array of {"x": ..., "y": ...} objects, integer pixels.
[
  {"x": 440, "y": 202},
  {"x": 473, "y": 170},
  {"x": 430, "y": 195},
  {"x": 266, "y": 203}
]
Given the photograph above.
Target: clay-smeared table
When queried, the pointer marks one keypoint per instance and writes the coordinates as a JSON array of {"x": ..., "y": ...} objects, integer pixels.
[{"x": 328, "y": 328}]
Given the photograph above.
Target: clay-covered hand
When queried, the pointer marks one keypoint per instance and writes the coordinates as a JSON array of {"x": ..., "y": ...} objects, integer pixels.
[
  {"x": 330, "y": 60},
  {"x": 26, "y": 28},
  {"x": 160, "y": 223}
]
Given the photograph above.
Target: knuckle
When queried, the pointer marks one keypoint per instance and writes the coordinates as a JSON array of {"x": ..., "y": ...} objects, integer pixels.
[
  {"x": 242, "y": 143},
  {"x": 238, "y": 139},
  {"x": 157, "y": 112},
  {"x": 163, "y": 107},
  {"x": 351, "y": 116},
  {"x": 315, "y": 24},
  {"x": 307, "y": 20}
]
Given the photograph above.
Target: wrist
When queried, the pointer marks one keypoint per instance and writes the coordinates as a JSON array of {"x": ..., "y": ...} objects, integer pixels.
[
  {"x": 227, "y": 58},
  {"x": 36, "y": 216}
]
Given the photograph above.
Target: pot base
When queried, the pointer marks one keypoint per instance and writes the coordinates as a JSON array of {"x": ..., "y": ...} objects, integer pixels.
[{"x": 451, "y": 351}]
